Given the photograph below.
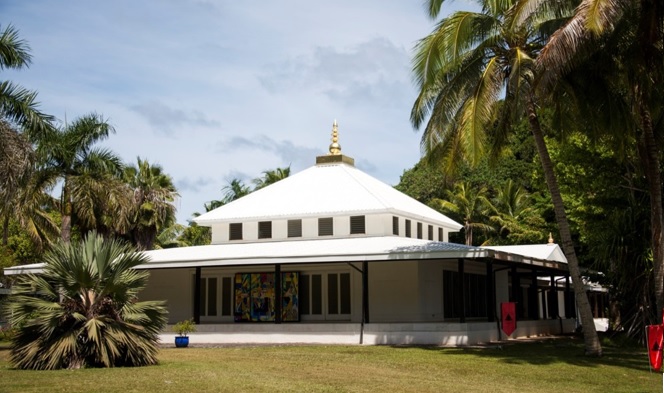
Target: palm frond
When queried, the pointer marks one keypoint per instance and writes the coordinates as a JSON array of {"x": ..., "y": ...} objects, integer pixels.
[{"x": 14, "y": 52}]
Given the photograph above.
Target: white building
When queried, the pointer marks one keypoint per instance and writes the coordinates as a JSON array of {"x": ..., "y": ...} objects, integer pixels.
[{"x": 333, "y": 255}]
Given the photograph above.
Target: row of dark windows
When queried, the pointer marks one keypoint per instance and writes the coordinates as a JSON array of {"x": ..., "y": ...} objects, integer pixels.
[
  {"x": 310, "y": 295},
  {"x": 474, "y": 298},
  {"x": 419, "y": 228},
  {"x": 325, "y": 228}
]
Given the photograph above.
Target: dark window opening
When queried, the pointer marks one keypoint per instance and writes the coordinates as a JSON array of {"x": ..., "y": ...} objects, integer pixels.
[
  {"x": 357, "y": 225},
  {"x": 265, "y": 230},
  {"x": 474, "y": 295},
  {"x": 235, "y": 232},
  {"x": 325, "y": 227},
  {"x": 294, "y": 228}
]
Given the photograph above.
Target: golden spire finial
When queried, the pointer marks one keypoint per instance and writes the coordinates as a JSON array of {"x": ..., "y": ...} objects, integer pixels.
[
  {"x": 550, "y": 238},
  {"x": 335, "y": 148}
]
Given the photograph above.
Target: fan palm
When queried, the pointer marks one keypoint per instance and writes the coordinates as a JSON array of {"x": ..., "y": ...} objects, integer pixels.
[
  {"x": 153, "y": 195},
  {"x": 463, "y": 68},
  {"x": 83, "y": 309},
  {"x": 17, "y": 104}
]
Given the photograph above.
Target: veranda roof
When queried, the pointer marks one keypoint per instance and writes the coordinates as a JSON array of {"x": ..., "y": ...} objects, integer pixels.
[{"x": 386, "y": 248}]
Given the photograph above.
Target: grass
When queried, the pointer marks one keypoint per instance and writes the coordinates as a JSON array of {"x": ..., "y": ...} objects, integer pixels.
[{"x": 546, "y": 366}]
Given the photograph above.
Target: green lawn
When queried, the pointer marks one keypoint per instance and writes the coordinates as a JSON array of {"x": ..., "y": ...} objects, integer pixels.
[{"x": 549, "y": 366}]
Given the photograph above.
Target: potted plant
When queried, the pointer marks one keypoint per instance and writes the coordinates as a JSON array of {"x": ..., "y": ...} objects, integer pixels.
[{"x": 183, "y": 328}]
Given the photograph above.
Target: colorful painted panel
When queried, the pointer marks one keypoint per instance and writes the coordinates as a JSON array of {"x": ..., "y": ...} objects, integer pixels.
[
  {"x": 262, "y": 297},
  {"x": 242, "y": 297},
  {"x": 255, "y": 297},
  {"x": 290, "y": 310}
]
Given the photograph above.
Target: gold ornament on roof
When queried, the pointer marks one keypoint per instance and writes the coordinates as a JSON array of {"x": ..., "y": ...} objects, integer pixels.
[
  {"x": 335, "y": 148},
  {"x": 550, "y": 238}
]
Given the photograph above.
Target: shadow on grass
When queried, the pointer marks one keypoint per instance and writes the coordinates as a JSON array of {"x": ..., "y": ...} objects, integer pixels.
[{"x": 546, "y": 351}]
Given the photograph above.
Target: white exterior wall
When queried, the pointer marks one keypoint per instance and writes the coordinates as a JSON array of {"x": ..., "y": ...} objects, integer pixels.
[
  {"x": 309, "y": 228},
  {"x": 280, "y": 229},
  {"x": 219, "y": 233},
  {"x": 393, "y": 292},
  {"x": 430, "y": 276},
  {"x": 502, "y": 289},
  {"x": 375, "y": 225},
  {"x": 378, "y": 225},
  {"x": 175, "y": 287},
  {"x": 341, "y": 226},
  {"x": 561, "y": 304},
  {"x": 406, "y": 307}
]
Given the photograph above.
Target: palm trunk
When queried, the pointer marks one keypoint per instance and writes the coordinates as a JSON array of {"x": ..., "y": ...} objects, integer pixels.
[
  {"x": 144, "y": 237},
  {"x": 649, "y": 155},
  {"x": 593, "y": 346},
  {"x": 65, "y": 229},
  {"x": 5, "y": 230}
]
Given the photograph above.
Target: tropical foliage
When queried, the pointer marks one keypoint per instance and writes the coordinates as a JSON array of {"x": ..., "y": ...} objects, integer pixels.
[
  {"x": 475, "y": 73},
  {"x": 89, "y": 174},
  {"x": 152, "y": 210},
  {"x": 17, "y": 104},
  {"x": 82, "y": 311}
]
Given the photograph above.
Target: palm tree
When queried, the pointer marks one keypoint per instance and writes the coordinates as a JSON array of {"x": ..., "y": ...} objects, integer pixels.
[
  {"x": 235, "y": 189},
  {"x": 271, "y": 177},
  {"x": 23, "y": 193},
  {"x": 153, "y": 196},
  {"x": 17, "y": 104},
  {"x": 627, "y": 38},
  {"x": 83, "y": 309},
  {"x": 471, "y": 205},
  {"x": 69, "y": 155},
  {"x": 463, "y": 69},
  {"x": 513, "y": 213},
  {"x": 171, "y": 237}
]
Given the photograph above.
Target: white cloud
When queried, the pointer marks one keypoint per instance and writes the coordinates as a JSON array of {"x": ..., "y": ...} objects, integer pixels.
[
  {"x": 216, "y": 89},
  {"x": 167, "y": 120}
]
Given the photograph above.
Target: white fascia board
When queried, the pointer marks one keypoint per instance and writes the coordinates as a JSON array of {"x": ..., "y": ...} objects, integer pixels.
[
  {"x": 34, "y": 268},
  {"x": 295, "y": 260},
  {"x": 506, "y": 256}
]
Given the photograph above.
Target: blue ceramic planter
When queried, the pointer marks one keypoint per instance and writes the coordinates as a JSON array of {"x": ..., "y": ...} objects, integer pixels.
[{"x": 181, "y": 341}]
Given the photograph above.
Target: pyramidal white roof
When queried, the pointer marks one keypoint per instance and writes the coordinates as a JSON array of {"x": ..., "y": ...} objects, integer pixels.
[{"x": 326, "y": 189}]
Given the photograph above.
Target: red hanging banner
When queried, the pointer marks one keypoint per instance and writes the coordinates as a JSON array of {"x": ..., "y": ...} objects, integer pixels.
[
  {"x": 655, "y": 341},
  {"x": 508, "y": 317}
]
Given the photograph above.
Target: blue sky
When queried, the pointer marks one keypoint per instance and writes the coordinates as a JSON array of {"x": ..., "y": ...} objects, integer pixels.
[{"x": 215, "y": 90}]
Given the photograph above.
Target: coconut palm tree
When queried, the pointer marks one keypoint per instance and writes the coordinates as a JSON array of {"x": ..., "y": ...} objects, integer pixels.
[
  {"x": 19, "y": 105},
  {"x": 153, "y": 195},
  {"x": 271, "y": 177},
  {"x": 83, "y": 309},
  {"x": 627, "y": 38},
  {"x": 69, "y": 155},
  {"x": 235, "y": 189},
  {"x": 471, "y": 205},
  {"x": 475, "y": 73},
  {"x": 513, "y": 213}
]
